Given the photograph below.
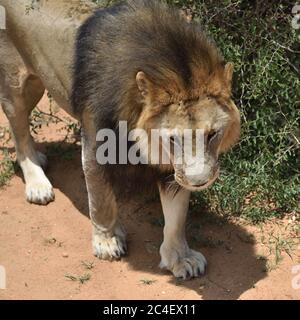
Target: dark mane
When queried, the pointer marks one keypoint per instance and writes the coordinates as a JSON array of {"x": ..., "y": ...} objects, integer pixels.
[{"x": 139, "y": 35}]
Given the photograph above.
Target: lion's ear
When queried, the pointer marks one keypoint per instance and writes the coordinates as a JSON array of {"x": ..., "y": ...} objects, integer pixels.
[
  {"x": 229, "y": 72},
  {"x": 143, "y": 83}
]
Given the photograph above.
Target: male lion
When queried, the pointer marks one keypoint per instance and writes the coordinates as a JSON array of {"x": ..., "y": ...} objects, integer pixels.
[{"x": 137, "y": 61}]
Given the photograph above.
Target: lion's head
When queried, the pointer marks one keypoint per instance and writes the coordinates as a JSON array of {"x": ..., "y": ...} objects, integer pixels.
[{"x": 207, "y": 109}]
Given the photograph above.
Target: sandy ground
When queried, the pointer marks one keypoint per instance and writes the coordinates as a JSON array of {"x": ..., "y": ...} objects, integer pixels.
[{"x": 47, "y": 250}]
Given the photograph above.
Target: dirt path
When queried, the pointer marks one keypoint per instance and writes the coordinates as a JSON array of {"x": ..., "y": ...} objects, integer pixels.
[{"x": 46, "y": 251}]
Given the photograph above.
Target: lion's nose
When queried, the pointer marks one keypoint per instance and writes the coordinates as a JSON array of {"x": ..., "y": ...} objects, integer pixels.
[
  {"x": 197, "y": 180},
  {"x": 199, "y": 175}
]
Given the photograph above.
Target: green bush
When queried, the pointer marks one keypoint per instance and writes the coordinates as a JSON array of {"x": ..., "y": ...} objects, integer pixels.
[{"x": 260, "y": 176}]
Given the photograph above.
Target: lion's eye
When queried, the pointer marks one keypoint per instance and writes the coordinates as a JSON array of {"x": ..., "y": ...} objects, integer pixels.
[{"x": 211, "y": 136}]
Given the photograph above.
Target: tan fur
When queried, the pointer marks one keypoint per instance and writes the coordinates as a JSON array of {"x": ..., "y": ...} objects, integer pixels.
[{"x": 44, "y": 51}]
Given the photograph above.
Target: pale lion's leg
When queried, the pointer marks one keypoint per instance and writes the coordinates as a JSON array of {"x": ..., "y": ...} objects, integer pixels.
[
  {"x": 17, "y": 109},
  {"x": 108, "y": 237},
  {"x": 20, "y": 91},
  {"x": 176, "y": 255}
]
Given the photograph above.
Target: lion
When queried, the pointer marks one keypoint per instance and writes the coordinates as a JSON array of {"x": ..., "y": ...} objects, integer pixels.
[{"x": 137, "y": 61}]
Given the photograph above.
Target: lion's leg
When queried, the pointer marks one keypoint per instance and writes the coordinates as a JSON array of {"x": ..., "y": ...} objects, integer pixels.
[
  {"x": 108, "y": 238},
  {"x": 19, "y": 94},
  {"x": 176, "y": 255}
]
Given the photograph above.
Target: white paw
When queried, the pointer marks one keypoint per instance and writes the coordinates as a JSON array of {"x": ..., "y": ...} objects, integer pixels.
[
  {"x": 191, "y": 264},
  {"x": 40, "y": 192},
  {"x": 109, "y": 246}
]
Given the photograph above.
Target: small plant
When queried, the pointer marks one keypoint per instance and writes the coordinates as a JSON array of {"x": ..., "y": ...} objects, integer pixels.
[
  {"x": 31, "y": 6},
  {"x": 280, "y": 245},
  {"x": 7, "y": 168},
  {"x": 147, "y": 282},
  {"x": 81, "y": 279},
  {"x": 71, "y": 128},
  {"x": 88, "y": 265},
  {"x": 50, "y": 241}
]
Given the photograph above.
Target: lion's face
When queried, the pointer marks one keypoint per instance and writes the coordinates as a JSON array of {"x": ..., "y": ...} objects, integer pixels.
[
  {"x": 209, "y": 120},
  {"x": 213, "y": 126}
]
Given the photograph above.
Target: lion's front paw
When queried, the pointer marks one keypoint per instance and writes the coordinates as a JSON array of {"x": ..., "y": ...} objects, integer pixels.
[
  {"x": 39, "y": 192},
  {"x": 187, "y": 265},
  {"x": 109, "y": 245}
]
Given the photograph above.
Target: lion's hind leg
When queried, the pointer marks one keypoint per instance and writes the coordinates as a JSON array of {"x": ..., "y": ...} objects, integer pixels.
[{"x": 20, "y": 91}]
